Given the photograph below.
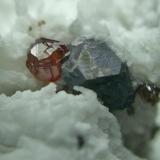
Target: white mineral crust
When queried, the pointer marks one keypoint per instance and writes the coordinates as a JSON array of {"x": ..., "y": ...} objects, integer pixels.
[{"x": 43, "y": 125}]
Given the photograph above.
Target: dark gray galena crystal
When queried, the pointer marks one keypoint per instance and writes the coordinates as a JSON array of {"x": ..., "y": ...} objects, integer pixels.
[{"x": 94, "y": 65}]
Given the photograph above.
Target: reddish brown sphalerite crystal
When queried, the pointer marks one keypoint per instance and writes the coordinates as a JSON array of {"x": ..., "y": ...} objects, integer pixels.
[{"x": 44, "y": 59}]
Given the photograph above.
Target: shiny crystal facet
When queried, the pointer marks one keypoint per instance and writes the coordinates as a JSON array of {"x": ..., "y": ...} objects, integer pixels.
[
  {"x": 94, "y": 65},
  {"x": 90, "y": 63},
  {"x": 93, "y": 59},
  {"x": 44, "y": 59}
]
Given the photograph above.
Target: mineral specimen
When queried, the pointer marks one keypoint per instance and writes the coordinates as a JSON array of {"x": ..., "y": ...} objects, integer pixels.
[
  {"x": 91, "y": 63},
  {"x": 149, "y": 92},
  {"x": 44, "y": 59},
  {"x": 94, "y": 65}
]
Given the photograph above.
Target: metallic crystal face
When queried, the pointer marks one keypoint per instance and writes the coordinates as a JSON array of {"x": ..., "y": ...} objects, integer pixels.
[
  {"x": 94, "y": 65},
  {"x": 42, "y": 50},
  {"x": 90, "y": 63},
  {"x": 93, "y": 59}
]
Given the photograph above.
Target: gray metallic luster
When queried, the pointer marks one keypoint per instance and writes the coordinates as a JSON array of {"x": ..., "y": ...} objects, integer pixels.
[
  {"x": 94, "y": 65},
  {"x": 94, "y": 59}
]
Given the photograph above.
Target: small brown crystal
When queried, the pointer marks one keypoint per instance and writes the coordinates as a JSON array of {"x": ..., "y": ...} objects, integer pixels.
[{"x": 149, "y": 92}]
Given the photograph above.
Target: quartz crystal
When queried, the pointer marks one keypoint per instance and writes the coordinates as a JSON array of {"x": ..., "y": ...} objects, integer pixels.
[{"x": 44, "y": 59}]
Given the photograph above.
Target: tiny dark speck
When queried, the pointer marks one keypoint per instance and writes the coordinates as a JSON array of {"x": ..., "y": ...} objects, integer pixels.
[
  {"x": 40, "y": 23},
  {"x": 68, "y": 90},
  {"x": 30, "y": 28},
  {"x": 80, "y": 141},
  {"x": 154, "y": 131}
]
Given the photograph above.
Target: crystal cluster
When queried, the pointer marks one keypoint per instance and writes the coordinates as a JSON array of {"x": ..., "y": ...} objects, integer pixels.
[
  {"x": 94, "y": 65},
  {"x": 90, "y": 63}
]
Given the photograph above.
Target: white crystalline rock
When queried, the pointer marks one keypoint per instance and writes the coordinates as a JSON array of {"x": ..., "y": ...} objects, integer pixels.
[
  {"x": 131, "y": 28},
  {"x": 155, "y": 148},
  {"x": 156, "y": 141},
  {"x": 22, "y": 24},
  {"x": 45, "y": 125},
  {"x": 137, "y": 129},
  {"x": 34, "y": 123}
]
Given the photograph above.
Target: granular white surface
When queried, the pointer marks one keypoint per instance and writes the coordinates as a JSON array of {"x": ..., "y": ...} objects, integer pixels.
[{"x": 42, "y": 125}]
